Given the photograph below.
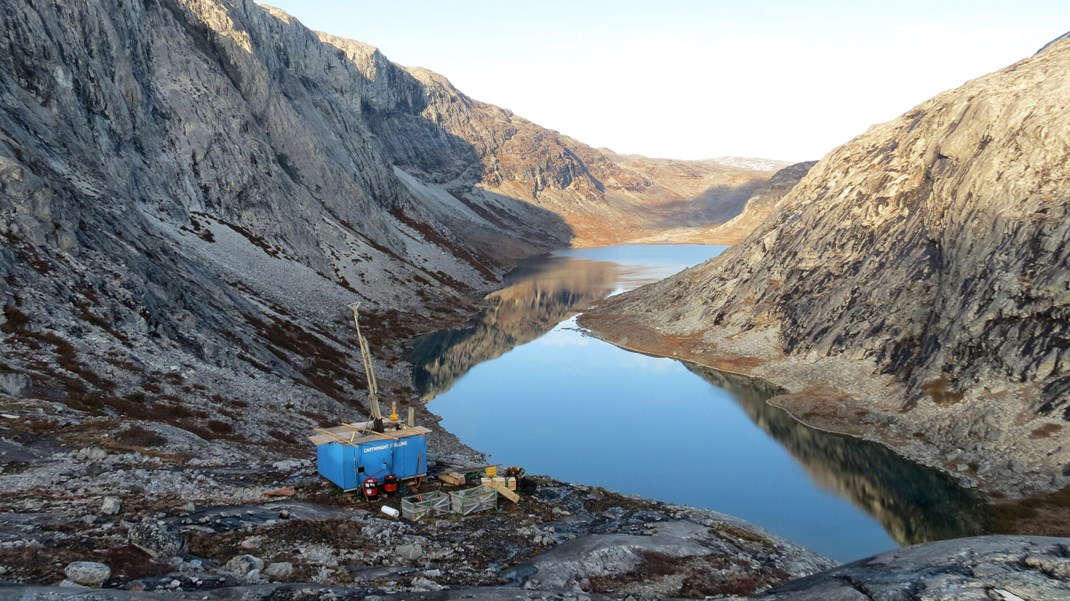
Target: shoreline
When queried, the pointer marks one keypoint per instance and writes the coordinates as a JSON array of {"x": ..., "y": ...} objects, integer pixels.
[{"x": 1001, "y": 488}]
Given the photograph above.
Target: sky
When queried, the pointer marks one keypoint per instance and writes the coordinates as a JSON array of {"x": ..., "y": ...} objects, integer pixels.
[{"x": 695, "y": 79}]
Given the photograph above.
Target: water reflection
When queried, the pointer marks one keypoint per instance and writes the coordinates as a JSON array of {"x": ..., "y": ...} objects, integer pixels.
[
  {"x": 539, "y": 294},
  {"x": 914, "y": 504},
  {"x": 523, "y": 361}
]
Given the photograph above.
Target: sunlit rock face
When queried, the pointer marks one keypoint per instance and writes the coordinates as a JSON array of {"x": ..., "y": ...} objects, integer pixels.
[{"x": 932, "y": 254}]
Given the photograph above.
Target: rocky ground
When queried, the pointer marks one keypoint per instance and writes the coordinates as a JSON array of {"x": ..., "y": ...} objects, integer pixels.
[
  {"x": 143, "y": 520},
  {"x": 229, "y": 523},
  {"x": 984, "y": 568}
]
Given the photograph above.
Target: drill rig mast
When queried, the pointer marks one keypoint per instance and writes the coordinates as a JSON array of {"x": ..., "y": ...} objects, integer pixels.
[{"x": 373, "y": 386}]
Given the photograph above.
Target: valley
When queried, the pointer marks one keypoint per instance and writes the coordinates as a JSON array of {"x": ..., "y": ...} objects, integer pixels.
[{"x": 192, "y": 192}]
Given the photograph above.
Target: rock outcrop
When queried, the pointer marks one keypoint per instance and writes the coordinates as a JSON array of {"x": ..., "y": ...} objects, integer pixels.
[
  {"x": 918, "y": 272},
  {"x": 1005, "y": 568}
]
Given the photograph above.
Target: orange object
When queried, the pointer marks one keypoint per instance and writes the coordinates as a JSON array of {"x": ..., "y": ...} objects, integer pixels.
[{"x": 282, "y": 491}]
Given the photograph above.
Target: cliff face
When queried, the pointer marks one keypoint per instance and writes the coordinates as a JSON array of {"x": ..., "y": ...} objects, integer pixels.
[
  {"x": 920, "y": 270},
  {"x": 199, "y": 187}
]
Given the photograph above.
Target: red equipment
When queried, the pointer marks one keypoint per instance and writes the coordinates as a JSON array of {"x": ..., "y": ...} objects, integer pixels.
[
  {"x": 371, "y": 489},
  {"x": 390, "y": 484}
]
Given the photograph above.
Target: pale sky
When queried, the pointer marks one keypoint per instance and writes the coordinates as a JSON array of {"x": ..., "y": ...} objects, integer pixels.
[{"x": 693, "y": 79}]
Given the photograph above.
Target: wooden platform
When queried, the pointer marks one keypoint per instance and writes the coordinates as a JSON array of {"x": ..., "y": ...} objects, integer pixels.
[{"x": 356, "y": 434}]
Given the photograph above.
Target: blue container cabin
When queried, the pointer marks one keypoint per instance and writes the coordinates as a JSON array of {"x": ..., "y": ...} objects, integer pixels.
[{"x": 347, "y": 454}]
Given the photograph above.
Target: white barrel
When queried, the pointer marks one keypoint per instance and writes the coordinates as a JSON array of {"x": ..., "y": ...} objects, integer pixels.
[{"x": 390, "y": 511}]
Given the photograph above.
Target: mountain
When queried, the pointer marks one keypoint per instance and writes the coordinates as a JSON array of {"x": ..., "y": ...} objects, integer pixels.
[
  {"x": 749, "y": 214},
  {"x": 192, "y": 192},
  {"x": 752, "y": 163},
  {"x": 760, "y": 204},
  {"x": 483, "y": 156},
  {"x": 918, "y": 275}
]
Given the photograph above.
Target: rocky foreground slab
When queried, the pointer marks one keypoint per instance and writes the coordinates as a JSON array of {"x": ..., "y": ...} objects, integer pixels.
[{"x": 1007, "y": 568}]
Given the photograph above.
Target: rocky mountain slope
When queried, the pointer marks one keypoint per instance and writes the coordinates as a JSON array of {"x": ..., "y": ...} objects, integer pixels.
[
  {"x": 193, "y": 190},
  {"x": 918, "y": 275}
]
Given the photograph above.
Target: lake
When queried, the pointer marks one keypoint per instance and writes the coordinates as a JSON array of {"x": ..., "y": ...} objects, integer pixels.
[{"x": 527, "y": 386}]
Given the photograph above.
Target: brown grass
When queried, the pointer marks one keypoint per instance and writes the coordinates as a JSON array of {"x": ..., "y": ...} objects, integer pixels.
[
  {"x": 431, "y": 235},
  {"x": 138, "y": 437},
  {"x": 709, "y": 576},
  {"x": 1046, "y": 431},
  {"x": 255, "y": 239},
  {"x": 327, "y": 365},
  {"x": 220, "y": 427},
  {"x": 65, "y": 357},
  {"x": 89, "y": 316},
  {"x": 43, "y": 565},
  {"x": 740, "y": 534},
  {"x": 939, "y": 390},
  {"x": 136, "y": 409},
  {"x": 1048, "y": 515},
  {"x": 16, "y": 320},
  {"x": 284, "y": 437}
]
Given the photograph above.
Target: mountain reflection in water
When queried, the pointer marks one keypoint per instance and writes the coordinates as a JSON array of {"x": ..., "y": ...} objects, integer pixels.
[
  {"x": 914, "y": 504},
  {"x": 524, "y": 361},
  {"x": 538, "y": 295}
]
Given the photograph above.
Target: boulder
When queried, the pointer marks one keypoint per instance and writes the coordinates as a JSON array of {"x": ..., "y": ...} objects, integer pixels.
[
  {"x": 280, "y": 570},
  {"x": 87, "y": 573},
  {"x": 253, "y": 542},
  {"x": 111, "y": 505},
  {"x": 244, "y": 564},
  {"x": 409, "y": 552},
  {"x": 90, "y": 454},
  {"x": 159, "y": 539},
  {"x": 15, "y": 384},
  {"x": 423, "y": 584}
]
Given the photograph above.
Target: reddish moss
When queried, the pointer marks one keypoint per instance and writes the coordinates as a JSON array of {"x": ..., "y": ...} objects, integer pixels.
[{"x": 939, "y": 390}]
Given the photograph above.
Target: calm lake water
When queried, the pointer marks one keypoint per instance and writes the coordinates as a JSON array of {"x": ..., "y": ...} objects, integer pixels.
[{"x": 529, "y": 387}]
